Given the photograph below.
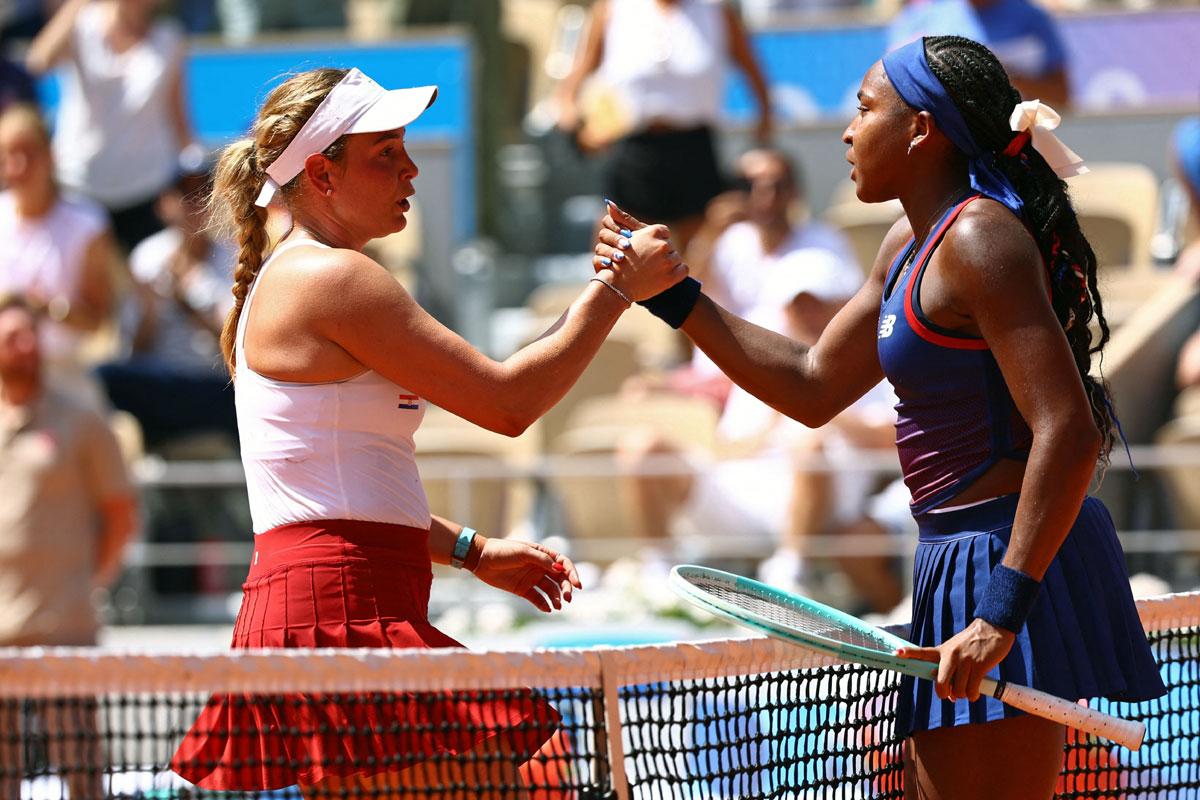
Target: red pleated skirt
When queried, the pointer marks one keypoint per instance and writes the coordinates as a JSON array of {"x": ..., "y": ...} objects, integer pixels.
[{"x": 345, "y": 583}]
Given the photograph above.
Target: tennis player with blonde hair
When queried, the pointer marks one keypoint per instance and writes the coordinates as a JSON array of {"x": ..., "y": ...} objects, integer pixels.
[{"x": 334, "y": 363}]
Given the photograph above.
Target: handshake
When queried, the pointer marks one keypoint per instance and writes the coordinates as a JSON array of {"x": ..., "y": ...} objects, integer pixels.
[{"x": 639, "y": 263}]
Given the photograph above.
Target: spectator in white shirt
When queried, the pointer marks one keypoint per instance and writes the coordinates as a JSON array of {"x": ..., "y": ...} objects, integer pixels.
[
  {"x": 57, "y": 249},
  {"x": 790, "y": 277},
  {"x": 123, "y": 119},
  {"x": 172, "y": 378},
  {"x": 752, "y": 260}
]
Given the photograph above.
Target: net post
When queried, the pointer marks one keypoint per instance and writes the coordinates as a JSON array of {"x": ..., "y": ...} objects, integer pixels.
[{"x": 610, "y": 684}]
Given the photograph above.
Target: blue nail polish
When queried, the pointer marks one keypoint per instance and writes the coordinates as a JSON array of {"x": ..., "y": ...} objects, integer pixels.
[
  {"x": 618, "y": 255},
  {"x": 626, "y": 233},
  {"x": 608, "y": 202},
  {"x": 625, "y": 244},
  {"x": 606, "y": 262}
]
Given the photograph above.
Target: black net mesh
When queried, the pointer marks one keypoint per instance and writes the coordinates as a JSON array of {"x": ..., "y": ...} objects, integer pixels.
[
  {"x": 505, "y": 743},
  {"x": 712, "y": 721},
  {"x": 1167, "y": 767},
  {"x": 827, "y": 732}
]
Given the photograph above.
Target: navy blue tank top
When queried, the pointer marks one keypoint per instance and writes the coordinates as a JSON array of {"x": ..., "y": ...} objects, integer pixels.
[{"x": 956, "y": 417}]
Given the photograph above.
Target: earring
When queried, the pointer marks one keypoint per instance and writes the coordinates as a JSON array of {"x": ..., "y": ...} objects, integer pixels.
[
  {"x": 329, "y": 192},
  {"x": 910, "y": 147}
]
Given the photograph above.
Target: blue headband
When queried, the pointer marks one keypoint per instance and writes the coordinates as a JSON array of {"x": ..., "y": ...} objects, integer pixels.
[
  {"x": 908, "y": 70},
  {"x": 1187, "y": 151}
]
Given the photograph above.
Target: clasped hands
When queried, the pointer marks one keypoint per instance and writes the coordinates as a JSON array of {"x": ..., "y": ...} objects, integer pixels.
[{"x": 636, "y": 258}]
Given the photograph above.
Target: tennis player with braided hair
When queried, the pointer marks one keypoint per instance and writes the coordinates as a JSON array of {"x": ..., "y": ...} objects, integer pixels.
[
  {"x": 333, "y": 365},
  {"x": 978, "y": 311}
]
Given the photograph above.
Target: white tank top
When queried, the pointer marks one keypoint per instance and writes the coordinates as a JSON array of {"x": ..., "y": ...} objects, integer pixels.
[
  {"x": 667, "y": 63},
  {"x": 316, "y": 451},
  {"x": 46, "y": 256},
  {"x": 114, "y": 140}
]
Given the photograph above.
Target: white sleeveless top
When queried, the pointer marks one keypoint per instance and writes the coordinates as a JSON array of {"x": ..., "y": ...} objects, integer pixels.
[
  {"x": 667, "y": 63},
  {"x": 317, "y": 451},
  {"x": 46, "y": 256},
  {"x": 114, "y": 141}
]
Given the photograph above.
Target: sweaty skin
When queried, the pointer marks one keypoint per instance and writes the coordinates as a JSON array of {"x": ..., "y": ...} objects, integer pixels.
[{"x": 985, "y": 279}]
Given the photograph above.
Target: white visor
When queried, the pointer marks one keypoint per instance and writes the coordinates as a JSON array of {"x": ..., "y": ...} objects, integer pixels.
[{"x": 356, "y": 105}]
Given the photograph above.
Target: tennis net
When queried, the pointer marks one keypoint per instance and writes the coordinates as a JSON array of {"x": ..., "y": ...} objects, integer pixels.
[{"x": 739, "y": 718}]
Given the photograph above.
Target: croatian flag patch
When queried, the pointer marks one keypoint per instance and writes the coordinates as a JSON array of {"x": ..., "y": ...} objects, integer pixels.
[{"x": 410, "y": 402}]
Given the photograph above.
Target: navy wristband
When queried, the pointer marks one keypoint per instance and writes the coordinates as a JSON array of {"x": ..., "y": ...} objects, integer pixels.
[
  {"x": 673, "y": 305},
  {"x": 1008, "y": 599}
]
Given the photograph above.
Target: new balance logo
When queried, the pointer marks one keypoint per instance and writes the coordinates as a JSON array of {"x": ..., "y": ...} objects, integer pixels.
[{"x": 887, "y": 325}]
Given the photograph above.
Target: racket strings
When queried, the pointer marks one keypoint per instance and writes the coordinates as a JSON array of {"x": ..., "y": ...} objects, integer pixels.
[{"x": 804, "y": 620}]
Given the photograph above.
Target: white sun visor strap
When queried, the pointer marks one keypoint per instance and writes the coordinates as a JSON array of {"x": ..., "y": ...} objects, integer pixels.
[{"x": 338, "y": 114}]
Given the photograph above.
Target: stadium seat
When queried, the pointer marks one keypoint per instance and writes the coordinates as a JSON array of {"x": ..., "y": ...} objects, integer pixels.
[
  {"x": 843, "y": 193},
  {"x": 1126, "y": 291},
  {"x": 689, "y": 423},
  {"x": 1139, "y": 364},
  {"x": 1187, "y": 404},
  {"x": 1183, "y": 482},
  {"x": 656, "y": 345},
  {"x": 1139, "y": 361},
  {"x": 1117, "y": 204},
  {"x": 865, "y": 224},
  {"x": 596, "y": 510},
  {"x": 614, "y": 363},
  {"x": 447, "y": 444},
  {"x": 549, "y": 300}
]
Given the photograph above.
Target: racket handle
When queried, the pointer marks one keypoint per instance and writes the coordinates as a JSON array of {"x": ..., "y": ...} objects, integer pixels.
[{"x": 1127, "y": 733}]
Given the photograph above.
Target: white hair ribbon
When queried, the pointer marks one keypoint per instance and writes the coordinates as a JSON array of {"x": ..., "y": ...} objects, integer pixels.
[{"x": 1040, "y": 120}]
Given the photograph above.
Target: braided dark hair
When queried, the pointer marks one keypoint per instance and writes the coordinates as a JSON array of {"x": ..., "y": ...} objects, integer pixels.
[{"x": 980, "y": 89}]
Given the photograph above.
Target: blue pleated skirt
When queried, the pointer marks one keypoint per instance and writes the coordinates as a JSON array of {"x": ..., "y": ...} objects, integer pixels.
[{"x": 1083, "y": 638}]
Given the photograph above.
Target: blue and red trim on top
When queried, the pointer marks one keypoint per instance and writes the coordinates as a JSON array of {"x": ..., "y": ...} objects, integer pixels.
[
  {"x": 920, "y": 325},
  {"x": 956, "y": 416}
]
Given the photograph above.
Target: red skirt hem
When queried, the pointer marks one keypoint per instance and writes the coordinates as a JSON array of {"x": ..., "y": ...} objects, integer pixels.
[{"x": 345, "y": 584}]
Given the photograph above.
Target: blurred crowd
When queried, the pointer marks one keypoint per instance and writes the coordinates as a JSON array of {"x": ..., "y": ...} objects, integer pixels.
[{"x": 104, "y": 250}]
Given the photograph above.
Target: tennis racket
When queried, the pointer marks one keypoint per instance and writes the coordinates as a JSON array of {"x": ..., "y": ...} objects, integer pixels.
[{"x": 818, "y": 627}]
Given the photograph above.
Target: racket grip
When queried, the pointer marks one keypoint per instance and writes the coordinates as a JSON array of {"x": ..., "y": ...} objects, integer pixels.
[{"x": 1127, "y": 733}]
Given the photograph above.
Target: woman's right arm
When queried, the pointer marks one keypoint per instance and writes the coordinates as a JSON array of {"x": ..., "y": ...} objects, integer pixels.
[
  {"x": 370, "y": 316},
  {"x": 809, "y": 384},
  {"x": 587, "y": 60},
  {"x": 53, "y": 43}
]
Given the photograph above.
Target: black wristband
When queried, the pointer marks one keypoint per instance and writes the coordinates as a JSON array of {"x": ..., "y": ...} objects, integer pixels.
[
  {"x": 1008, "y": 599},
  {"x": 673, "y": 305}
]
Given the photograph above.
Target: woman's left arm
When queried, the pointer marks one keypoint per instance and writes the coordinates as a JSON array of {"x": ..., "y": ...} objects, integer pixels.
[
  {"x": 529, "y": 570},
  {"x": 998, "y": 282},
  {"x": 741, "y": 52},
  {"x": 181, "y": 122}
]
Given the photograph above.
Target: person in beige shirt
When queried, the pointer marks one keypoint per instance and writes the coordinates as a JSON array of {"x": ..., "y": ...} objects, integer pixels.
[{"x": 67, "y": 510}]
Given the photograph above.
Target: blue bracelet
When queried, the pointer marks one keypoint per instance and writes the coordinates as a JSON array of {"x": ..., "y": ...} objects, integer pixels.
[
  {"x": 673, "y": 305},
  {"x": 1008, "y": 599},
  {"x": 462, "y": 546}
]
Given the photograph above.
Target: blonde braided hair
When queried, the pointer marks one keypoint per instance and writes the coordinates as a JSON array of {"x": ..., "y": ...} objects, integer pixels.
[{"x": 241, "y": 173}]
